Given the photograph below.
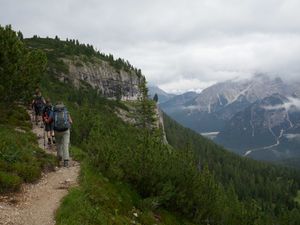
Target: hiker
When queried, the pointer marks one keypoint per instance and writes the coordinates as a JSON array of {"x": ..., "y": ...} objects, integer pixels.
[
  {"x": 48, "y": 121},
  {"x": 38, "y": 104},
  {"x": 62, "y": 124}
]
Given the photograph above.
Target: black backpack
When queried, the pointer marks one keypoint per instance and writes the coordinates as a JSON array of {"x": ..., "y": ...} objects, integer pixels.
[
  {"x": 38, "y": 102},
  {"x": 61, "y": 118}
]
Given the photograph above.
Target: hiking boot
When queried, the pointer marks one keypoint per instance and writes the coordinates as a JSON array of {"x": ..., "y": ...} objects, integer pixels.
[{"x": 66, "y": 163}]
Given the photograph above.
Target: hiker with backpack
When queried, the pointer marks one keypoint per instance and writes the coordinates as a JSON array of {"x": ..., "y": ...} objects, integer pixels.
[
  {"x": 48, "y": 121},
  {"x": 38, "y": 105},
  {"x": 62, "y": 123}
]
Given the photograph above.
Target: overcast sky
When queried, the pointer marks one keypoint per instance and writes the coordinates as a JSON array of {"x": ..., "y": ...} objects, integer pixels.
[{"x": 179, "y": 45}]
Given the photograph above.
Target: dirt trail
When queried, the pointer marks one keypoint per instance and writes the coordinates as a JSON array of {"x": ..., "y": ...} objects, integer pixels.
[{"x": 36, "y": 203}]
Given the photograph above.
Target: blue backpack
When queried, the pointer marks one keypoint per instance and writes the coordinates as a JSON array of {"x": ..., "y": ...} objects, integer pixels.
[{"x": 61, "y": 118}]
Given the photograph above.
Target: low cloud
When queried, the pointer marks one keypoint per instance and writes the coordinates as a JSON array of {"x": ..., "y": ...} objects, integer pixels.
[
  {"x": 181, "y": 85},
  {"x": 292, "y": 105},
  {"x": 292, "y": 136}
]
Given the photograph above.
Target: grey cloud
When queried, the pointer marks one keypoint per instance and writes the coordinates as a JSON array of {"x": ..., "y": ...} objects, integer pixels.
[
  {"x": 292, "y": 105},
  {"x": 180, "y": 45}
]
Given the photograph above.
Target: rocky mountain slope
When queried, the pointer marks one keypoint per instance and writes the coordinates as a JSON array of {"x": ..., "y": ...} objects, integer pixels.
[
  {"x": 77, "y": 63},
  {"x": 209, "y": 110},
  {"x": 249, "y": 114},
  {"x": 103, "y": 77},
  {"x": 268, "y": 129}
]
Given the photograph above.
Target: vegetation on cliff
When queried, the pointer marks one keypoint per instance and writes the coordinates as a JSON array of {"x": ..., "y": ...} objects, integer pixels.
[{"x": 56, "y": 49}]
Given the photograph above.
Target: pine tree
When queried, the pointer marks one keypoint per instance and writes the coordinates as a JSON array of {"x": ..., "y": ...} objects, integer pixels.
[
  {"x": 20, "y": 69},
  {"x": 146, "y": 107},
  {"x": 118, "y": 91},
  {"x": 20, "y": 35}
]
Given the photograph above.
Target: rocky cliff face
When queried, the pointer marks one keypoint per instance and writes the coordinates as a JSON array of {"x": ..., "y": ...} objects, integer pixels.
[{"x": 103, "y": 77}]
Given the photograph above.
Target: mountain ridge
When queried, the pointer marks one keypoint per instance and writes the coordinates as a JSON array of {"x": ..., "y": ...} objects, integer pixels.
[
  {"x": 221, "y": 104},
  {"x": 162, "y": 95}
]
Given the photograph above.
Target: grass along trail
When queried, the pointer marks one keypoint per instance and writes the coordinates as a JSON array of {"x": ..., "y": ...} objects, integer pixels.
[{"x": 37, "y": 203}]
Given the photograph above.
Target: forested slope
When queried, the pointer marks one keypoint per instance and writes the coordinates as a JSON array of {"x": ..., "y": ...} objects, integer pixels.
[{"x": 271, "y": 188}]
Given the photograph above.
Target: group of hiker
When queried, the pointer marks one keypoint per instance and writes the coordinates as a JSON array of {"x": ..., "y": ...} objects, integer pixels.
[{"x": 56, "y": 121}]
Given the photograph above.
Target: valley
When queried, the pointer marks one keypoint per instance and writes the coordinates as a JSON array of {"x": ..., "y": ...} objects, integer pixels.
[
  {"x": 254, "y": 117},
  {"x": 266, "y": 147}
]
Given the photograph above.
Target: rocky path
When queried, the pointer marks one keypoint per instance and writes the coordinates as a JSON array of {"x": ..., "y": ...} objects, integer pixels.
[{"x": 36, "y": 203}]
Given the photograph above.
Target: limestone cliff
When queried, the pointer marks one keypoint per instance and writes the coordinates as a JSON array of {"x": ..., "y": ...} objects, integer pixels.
[
  {"x": 77, "y": 63},
  {"x": 102, "y": 76}
]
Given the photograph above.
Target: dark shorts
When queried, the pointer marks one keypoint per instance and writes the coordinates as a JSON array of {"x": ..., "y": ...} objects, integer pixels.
[
  {"x": 38, "y": 111},
  {"x": 49, "y": 127}
]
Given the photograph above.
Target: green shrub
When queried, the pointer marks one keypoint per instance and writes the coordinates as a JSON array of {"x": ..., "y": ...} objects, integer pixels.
[
  {"x": 20, "y": 157},
  {"x": 47, "y": 162},
  {"x": 77, "y": 153},
  {"x": 9, "y": 182},
  {"x": 297, "y": 199},
  {"x": 76, "y": 209},
  {"x": 102, "y": 201},
  {"x": 29, "y": 171}
]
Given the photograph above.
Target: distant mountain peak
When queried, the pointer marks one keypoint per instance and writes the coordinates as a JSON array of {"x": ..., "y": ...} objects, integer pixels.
[{"x": 162, "y": 95}]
